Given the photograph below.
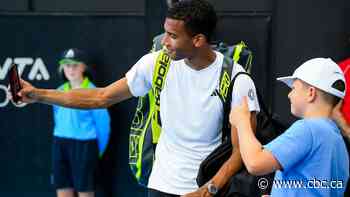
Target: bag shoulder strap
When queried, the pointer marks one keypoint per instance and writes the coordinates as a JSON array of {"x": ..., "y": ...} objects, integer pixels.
[
  {"x": 160, "y": 72},
  {"x": 227, "y": 108},
  {"x": 225, "y": 79},
  {"x": 225, "y": 94}
]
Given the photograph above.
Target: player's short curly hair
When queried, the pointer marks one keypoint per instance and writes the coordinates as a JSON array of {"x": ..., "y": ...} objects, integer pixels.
[{"x": 199, "y": 16}]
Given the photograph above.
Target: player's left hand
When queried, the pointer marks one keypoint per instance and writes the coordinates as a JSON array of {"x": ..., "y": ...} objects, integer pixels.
[{"x": 200, "y": 192}]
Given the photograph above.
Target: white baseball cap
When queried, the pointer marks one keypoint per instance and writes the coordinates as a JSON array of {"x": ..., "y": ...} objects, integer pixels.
[{"x": 322, "y": 73}]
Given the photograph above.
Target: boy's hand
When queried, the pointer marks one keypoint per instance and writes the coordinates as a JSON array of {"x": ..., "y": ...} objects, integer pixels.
[{"x": 240, "y": 113}]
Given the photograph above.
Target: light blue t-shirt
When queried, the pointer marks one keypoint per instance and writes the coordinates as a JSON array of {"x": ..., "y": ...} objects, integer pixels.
[
  {"x": 79, "y": 124},
  {"x": 313, "y": 157}
]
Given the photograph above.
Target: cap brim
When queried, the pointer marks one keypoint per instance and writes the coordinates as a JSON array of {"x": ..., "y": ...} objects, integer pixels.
[
  {"x": 68, "y": 61},
  {"x": 287, "y": 80}
]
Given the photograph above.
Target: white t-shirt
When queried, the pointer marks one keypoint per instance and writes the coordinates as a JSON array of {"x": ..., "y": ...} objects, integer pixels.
[{"x": 191, "y": 117}]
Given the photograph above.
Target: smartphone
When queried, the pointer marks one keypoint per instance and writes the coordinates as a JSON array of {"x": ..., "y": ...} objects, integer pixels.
[{"x": 15, "y": 84}]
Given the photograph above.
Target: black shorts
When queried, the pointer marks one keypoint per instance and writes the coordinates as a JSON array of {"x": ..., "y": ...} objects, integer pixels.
[
  {"x": 156, "y": 193},
  {"x": 74, "y": 164}
]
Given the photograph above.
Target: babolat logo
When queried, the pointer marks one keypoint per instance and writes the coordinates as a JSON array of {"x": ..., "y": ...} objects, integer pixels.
[
  {"x": 161, "y": 71},
  {"x": 38, "y": 71}
]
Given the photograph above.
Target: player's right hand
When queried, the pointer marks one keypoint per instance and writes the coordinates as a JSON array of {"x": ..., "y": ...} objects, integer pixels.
[{"x": 27, "y": 93}]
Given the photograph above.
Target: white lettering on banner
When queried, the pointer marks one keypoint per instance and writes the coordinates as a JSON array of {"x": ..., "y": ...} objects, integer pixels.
[
  {"x": 22, "y": 62},
  {"x": 38, "y": 72},
  {"x": 5, "y": 68},
  {"x": 5, "y": 100}
]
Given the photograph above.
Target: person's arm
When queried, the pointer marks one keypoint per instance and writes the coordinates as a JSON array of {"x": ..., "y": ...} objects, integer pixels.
[
  {"x": 78, "y": 98},
  {"x": 339, "y": 118},
  {"x": 257, "y": 160}
]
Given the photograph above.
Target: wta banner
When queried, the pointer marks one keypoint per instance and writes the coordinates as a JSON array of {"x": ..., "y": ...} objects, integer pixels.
[{"x": 35, "y": 44}]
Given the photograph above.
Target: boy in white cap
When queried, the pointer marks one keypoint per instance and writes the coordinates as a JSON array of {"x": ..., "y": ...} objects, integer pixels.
[{"x": 310, "y": 157}]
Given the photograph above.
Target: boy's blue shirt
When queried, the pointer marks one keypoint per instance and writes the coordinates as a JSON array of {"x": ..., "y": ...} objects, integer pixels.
[
  {"x": 81, "y": 124},
  {"x": 311, "y": 150}
]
